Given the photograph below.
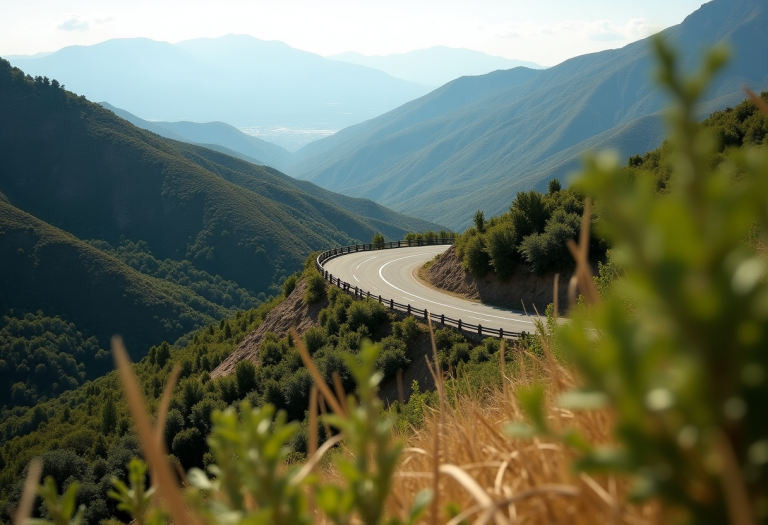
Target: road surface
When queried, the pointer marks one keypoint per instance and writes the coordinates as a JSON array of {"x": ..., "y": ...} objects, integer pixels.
[{"x": 389, "y": 273}]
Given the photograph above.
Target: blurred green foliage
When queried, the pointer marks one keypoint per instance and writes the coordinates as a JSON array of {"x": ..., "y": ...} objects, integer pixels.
[{"x": 677, "y": 346}]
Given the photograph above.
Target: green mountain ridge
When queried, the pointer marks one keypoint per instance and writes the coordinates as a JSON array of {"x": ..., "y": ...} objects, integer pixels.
[
  {"x": 102, "y": 178},
  {"x": 443, "y": 165},
  {"x": 48, "y": 269},
  {"x": 213, "y": 135},
  {"x": 114, "y": 229}
]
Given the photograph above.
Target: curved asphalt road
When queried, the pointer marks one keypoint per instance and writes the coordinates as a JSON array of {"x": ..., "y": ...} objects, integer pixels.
[{"x": 389, "y": 273}]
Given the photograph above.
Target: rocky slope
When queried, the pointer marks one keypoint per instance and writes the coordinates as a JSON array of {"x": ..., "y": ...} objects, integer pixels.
[{"x": 523, "y": 288}]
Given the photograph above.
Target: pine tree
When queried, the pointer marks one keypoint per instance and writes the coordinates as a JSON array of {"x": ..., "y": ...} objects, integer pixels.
[{"x": 108, "y": 416}]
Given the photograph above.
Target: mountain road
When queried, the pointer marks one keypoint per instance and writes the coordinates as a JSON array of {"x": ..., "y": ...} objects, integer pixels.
[{"x": 389, "y": 273}]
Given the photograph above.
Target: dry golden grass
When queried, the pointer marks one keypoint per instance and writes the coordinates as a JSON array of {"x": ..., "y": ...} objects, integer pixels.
[{"x": 493, "y": 478}]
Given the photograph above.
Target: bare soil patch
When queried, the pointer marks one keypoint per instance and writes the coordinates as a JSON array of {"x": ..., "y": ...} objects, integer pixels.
[{"x": 291, "y": 313}]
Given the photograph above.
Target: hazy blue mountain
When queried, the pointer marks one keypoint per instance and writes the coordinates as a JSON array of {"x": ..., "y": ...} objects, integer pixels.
[
  {"x": 458, "y": 148},
  {"x": 434, "y": 66},
  {"x": 36, "y": 55},
  {"x": 236, "y": 79},
  {"x": 215, "y": 135}
]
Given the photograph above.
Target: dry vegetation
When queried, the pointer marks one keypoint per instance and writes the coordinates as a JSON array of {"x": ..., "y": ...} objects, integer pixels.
[{"x": 524, "y": 481}]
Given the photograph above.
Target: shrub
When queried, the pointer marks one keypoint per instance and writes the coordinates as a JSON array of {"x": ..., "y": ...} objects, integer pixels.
[
  {"x": 315, "y": 339},
  {"x": 460, "y": 352},
  {"x": 480, "y": 354},
  {"x": 289, "y": 284},
  {"x": 446, "y": 337},
  {"x": 549, "y": 250},
  {"x": 476, "y": 260},
  {"x": 367, "y": 313},
  {"x": 407, "y": 329},
  {"x": 378, "y": 241},
  {"x": 245, "y": 374},
  {"x": 295, "y": 389},
  {"x": 501, "y": 242},
  {"x": 271, "y": 352},
  {"x": 315, "y": 286},
  {"x": 393, "y": 356}
]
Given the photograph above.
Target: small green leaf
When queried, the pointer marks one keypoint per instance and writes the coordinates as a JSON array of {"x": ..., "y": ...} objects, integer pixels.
[
  {"x": 519, "y": 430},
  {"x": 576, "y": 400},
  {"x": 423, "y": 498}
]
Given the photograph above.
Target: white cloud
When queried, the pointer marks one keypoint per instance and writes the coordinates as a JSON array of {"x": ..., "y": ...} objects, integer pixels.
[
  {"x": 73, "y": 23},
  {"x": 600, "y": 30}
]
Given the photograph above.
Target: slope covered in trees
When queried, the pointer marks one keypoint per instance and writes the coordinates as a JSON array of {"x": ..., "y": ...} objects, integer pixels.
[
  {"x": 85, "y": 434},
  {"x": 117, "y": 230},
  {"x": 102, "y": 178},
  {"x": 47, "y": 269}
]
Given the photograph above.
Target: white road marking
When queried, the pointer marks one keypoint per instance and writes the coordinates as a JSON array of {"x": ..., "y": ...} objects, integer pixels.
[
  {"x": 365, "y": 261},
  {"x": 355, "y": 276},
  {"x": 486, "y": 320},
  {"x": 435, "y": 302}
]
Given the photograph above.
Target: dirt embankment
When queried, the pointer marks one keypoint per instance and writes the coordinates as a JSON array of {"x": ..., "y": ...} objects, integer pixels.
[
  {"x": 524, "y": 287},
  {"x": 291, "y": 313}
]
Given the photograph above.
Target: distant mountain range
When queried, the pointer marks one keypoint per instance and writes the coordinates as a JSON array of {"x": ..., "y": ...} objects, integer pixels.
[
  {"x": 476, "y": 141},
  {"x": 434, "y": 66},
  {"x": 236, "y": 79},
  {"x": 214, "y": 135},
  {"x": 76, "y": 182}
]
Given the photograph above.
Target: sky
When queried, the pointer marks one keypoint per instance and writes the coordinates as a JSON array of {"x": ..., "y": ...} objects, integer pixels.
[{"x": 542, "y": 31}]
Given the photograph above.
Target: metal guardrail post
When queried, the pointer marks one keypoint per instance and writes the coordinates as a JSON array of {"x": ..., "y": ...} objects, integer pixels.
[
  {"x": 391, "y": 304},
  {"x": 479, "y": 330},
  {"x": 442, "y": 319},
  {"x": 409, "y": 309},
  {"x": 459, "y": 325},
  {"x": 501, "y": 333}
]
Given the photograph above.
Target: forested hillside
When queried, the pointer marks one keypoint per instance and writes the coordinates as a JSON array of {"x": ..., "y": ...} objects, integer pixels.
[{"x": 108, "y": 228}]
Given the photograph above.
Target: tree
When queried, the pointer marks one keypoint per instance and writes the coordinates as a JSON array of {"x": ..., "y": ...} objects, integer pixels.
[
  {"x": 529, "y": 214},
  {"x": 189, "y": 446},
  {"x": 501, "y": 245},
  {"x": 476, "y": 260},
  {"x": 378, "y": 241},
  {"x": 553, "y": 186},
  {"x": 108, "y": 416},
  {"x": 163, "y": 354},
  {"x": 479, "y": 219},
  {"x": 245, "y": 374}
]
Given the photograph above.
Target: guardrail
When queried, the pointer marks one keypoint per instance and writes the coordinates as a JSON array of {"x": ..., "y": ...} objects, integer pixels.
[{"x": 359, "y": 293}]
